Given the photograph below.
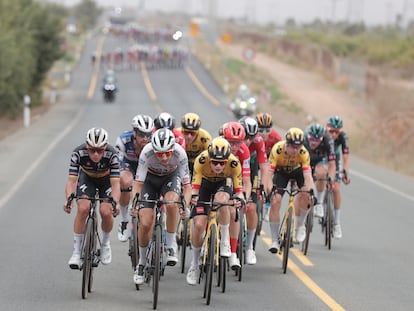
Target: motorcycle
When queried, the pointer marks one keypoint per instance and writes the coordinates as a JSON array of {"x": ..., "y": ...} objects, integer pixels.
[
  {"x": 109, "y": 90},
  {"x": 242, "y": 108}
]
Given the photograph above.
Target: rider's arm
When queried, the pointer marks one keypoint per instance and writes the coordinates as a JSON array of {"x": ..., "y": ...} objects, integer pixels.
[{"x": 71, "y": 185}]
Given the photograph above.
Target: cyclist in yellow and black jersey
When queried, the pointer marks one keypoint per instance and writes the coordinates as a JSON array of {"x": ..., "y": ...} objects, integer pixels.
[
  {"x": 196, "y": 138},
  {"x": 288, "y": 160},
  {"x": 216, "y": 173}
]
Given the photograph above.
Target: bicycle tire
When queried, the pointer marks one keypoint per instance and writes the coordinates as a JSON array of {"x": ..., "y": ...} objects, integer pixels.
[
  {"x": 259, "y": 211},
  {"x": 309, "y": 226},
  {"x": 240, "y": 246},
  {"x": 210, "y": 262},
  {"x": 87, "y": 262},
  {"x": 184, "y": 242},
  {"x": 329, "y": 219},
  {"x": 94, "y": 253},
  {"x": 157, "y": 266},
  {"x": 134, "y": 246},
  {"x": 286, "y": 240},
  {"x": 222, "y": 269}
]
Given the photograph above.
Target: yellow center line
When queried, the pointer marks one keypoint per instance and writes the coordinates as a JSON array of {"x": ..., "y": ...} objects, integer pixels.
[
  {"x": 147, "y": 82},
  {"x": 200, "y": 87},
  {"x": 301, "y": 275},
  {"x": 302, "y": 258},
  {"x": 94, "y": 78}
]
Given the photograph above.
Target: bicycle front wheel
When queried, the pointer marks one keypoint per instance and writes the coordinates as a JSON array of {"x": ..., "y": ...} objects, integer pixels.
[
  {"x": 240, "y": 246},
  {"x": 329, "y": 219},
  {"x": 286, "y": 238},
  {"x": 87, "y": 258},
  {"x": 184, "y": 242},
  {"x": 156, "y": 266},
  {"x": 133, "y": 245},
  {"x": 309, "y": 225},
  {"x": 210, "y": 262}
]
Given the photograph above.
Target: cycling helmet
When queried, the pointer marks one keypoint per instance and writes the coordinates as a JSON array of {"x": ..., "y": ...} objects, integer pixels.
[
  {"x": 164, "y": 119},
  {"x": 335, "y": 122},
  {"x": 294, "y": 136},
  {"x": 191, "y": 121},
  {"x": 219, "y": 149},
  {"x": 142, "y": 123},
  {"x": 250, "y": 126},
  {"x": 264, "y": 120},
  {"x": 97, "y": 137},
  {"x": 233, "y": 131},
  {"x": 163, "y": 140},
  {"x": 316, "y": 130}
]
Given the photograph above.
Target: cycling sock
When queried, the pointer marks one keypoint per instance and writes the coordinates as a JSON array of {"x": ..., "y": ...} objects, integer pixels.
[
  {"x": 105, "y": 238},
  {"x": 250, "y": 238},
  {"x": 124, "y": 213},
  {"x": 142, "y": 255},
  {"x": 77, "y": 242},
  {"x": 169, "y": 239},
  {"x": 233, "y": 244},
  {"x": 274, "y": 228},
  {"x": 224, "y": 232},
  {"x": 196, "y": 256},
  {"x": 337, "y": 214},
  {"x": 300, "y": 220},
  {"x": 320, "y": 196}
]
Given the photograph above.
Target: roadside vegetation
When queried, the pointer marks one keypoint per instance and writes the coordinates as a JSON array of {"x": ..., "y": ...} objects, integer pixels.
[{"x": 33, "y": 36}]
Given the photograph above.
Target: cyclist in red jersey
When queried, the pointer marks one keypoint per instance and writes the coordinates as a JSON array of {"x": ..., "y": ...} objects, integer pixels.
[
  {"x": 269, "y": 134},
  {"x": 166, "y": 120},
  {"x": 235, "y": 134},
  {"x": 258, "y": 160}
]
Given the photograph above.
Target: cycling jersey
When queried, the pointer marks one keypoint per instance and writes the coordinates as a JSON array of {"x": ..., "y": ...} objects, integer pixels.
[
  {"x": 323, "y": 153},
  {"x": 279, "y": 160},
  {"x": 243, "y": 154},
  {"x": 257, "y": 149},
  {"x": 128, "y": 157},
  {"x": 342, "y": 141},
  {"x": 148, "y": 162},
  {"x": 199, "y": 144},
  {"x": 202, "y": 170},
  {"x": 107, "y": 166}
]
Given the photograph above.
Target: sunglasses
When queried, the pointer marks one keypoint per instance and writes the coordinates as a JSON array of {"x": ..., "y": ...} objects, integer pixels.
[
  {"x": 235, "y": 142},
  {"x": 142, "y": 134},
  {"x": 314, "y": 140},
  {"x": 264, "y": 130},
  {"x": 160, "y": 154},
  {"x": 190, "y": 133},
  {"x": 96, "y": 150},
  {"x": 333, "y": 131},
  {"x": 296, "y": 147},
  {"x": 218, "y": 163}
]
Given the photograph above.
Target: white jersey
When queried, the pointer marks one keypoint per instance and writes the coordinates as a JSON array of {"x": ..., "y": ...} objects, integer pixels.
[{"x": 148, "y": 162}]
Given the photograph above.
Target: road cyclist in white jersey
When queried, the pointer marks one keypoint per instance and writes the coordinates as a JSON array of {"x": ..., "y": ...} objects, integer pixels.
[{"x": 162, "y": 171}]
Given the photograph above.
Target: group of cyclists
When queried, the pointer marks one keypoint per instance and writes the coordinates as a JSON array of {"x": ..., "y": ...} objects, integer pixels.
[{"x": 248, "y": 159}]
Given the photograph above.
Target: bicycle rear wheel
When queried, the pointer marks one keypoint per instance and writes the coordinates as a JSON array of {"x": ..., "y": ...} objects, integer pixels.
[
  {"x": 87, "y": 258},
  {"x": 156, "y": 265},
  {"x": 184, "y": 242},
  {"x": 286, "y": 238},
  {"x": 210, "y": 263},
  {"x": 329, "y": 219},
  {"x": 309, "y": 226}
]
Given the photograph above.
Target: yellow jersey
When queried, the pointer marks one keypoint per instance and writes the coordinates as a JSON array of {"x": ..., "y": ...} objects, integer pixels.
[
  {"x": 279, "y": 160},
  {"x": 199, "y": 144}
]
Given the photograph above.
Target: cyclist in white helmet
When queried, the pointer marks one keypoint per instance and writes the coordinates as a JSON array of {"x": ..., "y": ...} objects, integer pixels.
[
  {"x": 93, "y": 165},
  {"x": 162, "y": 171},
  {"x": 129, "y": 145}
]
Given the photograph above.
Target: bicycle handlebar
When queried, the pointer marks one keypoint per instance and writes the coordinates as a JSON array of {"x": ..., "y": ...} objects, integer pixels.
[
  {"x": 159, "y": 202},
  {"x": 73, "y": 196}
]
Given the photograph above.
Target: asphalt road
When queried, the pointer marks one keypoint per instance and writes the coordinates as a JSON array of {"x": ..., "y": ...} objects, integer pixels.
[{"x": 369, "y": 269}]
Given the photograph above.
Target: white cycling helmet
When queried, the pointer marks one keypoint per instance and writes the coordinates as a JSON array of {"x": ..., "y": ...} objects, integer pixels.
[
  {"x": 142, "y": 123},
  {"x": 163, "y": 140},
  {"x": 164, "y": 119},
  {"x": 97, "y": 137}
]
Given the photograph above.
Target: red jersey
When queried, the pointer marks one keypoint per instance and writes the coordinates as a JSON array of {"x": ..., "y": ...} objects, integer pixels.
[
  {"x": 273, "y": 138},
  {"x": 243, "y": 154},
  {"x": 257, "y": 147}
]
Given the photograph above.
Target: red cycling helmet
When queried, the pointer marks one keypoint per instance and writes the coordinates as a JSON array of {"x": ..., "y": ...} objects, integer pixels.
[{"x": 233, "y": 131}]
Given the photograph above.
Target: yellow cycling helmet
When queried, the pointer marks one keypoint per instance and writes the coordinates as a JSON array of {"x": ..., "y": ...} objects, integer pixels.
[
  {"x": 191, "y": 121},
  {"x": 219, "y": 149},
  {"x": 294, "y": 136}
]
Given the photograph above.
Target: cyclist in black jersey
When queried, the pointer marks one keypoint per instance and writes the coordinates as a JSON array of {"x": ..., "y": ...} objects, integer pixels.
[{"x": 94, "y": 165}]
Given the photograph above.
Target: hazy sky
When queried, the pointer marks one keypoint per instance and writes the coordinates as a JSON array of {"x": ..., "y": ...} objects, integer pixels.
[{"x": 262, "y": 11}]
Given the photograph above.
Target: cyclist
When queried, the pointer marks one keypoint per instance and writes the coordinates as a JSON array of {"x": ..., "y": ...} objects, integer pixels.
[
  {"x": 341, "y": 142},
  {"x": 269, "y": 134},
  {"x": 258, "y": 159},
  {"x": 162, "y": 169},
  {"x": 322, "y": 160},
  {"x": 234, "y": 133},
  {"x": 213, "y": 169},
  {"x": 166, "y": 120},
  {"x": 129, "y": 145},
  {"x": 288, "y": 160},
  {"x": 93, "y": 165},
  {"x": 196, "y": 138}
]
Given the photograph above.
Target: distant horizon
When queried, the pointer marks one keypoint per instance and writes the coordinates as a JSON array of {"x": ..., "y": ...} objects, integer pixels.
[{"x": 371, "y": 12}]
